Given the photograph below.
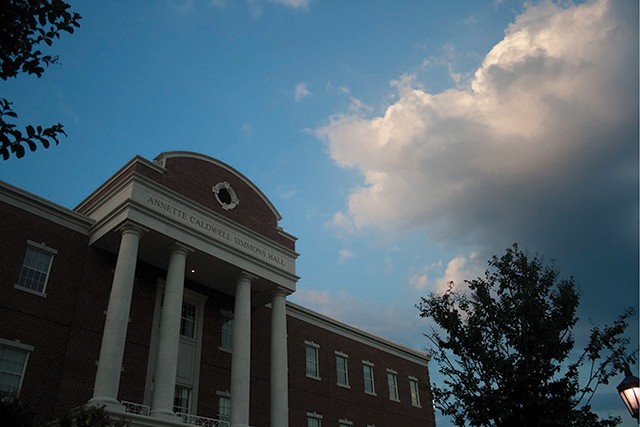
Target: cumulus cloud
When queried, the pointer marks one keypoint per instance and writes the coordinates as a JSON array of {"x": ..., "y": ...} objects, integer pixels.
[
  {"x": 458, "y": 270},
  {"x": 541, "y": 147},
  {"x": 301, "y": 92}
]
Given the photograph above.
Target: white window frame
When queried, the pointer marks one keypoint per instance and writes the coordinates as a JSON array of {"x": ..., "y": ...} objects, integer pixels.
[
  {"x": 219, "y": 415},
  {"x": 415, "y": 392},
  {"x": 394, "y": 394},
  {"x": 21, "y": 347},
  {"x": 41, "y": 248},
  {"x": 192, "y": 321},
  {"x": 224, "y": 331},
  {"x": 345, "y": 358},
  {"x": 368, "y": 365},
  {"x": 314, "y": 416},
  {"x": 189, "y": 399},
  {"x": 315, "y": 350},
  {"x": 344, "y": 423}
]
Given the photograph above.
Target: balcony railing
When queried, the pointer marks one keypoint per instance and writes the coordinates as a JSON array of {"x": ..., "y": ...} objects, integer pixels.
[
  {"x": 135, "y": 408},
  {"x": 195, "y": 420},
  {"x": 201, "y": 421}
]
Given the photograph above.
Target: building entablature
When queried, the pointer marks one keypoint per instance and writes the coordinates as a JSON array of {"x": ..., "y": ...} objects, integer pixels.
[{"x": 222, "y": 246}]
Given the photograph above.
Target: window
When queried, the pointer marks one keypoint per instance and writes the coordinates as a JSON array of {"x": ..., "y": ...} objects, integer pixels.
[
  {"x": 224, "y": 408},
  {"x": 345, "y": 423},
  {"x": 13, "y": 363},
  {"x": 369, "y": 386},
  {"x": 188, "y": 320},
  {"x": 36, "y": 267},
  {"x": 392, "y": 380},
  {"x": 226, "y": 334},
  {"x": 314, "y": 420},
  {"x": 342, "y": 373},
  {"x": 415, "y": 394},
  {"x": 313, "y": 366},
  {"x": 182, "y": 400}
]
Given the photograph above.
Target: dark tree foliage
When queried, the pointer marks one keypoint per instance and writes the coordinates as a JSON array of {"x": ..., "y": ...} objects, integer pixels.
[
  {"x": 15, "y": 412},
  {"x": 24, "y": 26},
  {"x": 505, "y": 348},
  {"x": 90, "y": 416}
]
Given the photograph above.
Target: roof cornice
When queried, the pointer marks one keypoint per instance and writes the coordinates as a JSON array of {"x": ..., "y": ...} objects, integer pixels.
[{"x": 44, "y": 208}]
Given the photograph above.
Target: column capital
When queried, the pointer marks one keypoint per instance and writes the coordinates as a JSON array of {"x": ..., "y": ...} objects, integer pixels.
[
  {"x": 281, "y": 292},
  {"x": 131, "y": 227},
  {"x": 181, "y": 248},
  {"x": 245, "y": 275}
]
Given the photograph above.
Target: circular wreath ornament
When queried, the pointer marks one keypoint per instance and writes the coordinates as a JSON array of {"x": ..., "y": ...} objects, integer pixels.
[{"x": 225, "y": 195}]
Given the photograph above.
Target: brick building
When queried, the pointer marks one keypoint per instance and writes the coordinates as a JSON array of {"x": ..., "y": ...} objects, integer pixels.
[{"x": 164, "y": 292}]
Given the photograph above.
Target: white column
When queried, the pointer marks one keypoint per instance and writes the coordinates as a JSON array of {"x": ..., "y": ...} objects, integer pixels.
[
  {"x": 241, "y": 357},
  {"x": 169, "y": 341},
  {"x": 105, "y": 390},
  {"x": 279, "y": 371}
]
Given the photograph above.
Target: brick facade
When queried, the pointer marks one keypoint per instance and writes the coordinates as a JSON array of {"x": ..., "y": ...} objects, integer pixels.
[{"x": 65, "y": 327}]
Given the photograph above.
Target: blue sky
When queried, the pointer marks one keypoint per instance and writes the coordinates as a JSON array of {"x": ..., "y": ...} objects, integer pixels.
[{"x": 404, "y": 143}]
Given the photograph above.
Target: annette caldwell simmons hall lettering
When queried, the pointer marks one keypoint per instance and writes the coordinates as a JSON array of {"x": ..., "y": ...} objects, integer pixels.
[{"x": 214, "y": 231}]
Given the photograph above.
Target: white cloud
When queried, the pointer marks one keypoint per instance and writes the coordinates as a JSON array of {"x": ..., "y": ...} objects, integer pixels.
[
  {"x": 301, "y": 92},
  {"x": 458, "y": 270},
  {"x": 470, "y": 20},
  {"x": 356, "y": 106},
  {"x": 345, "y": 255},
  {"x": 296, "y": 4},
  {"x": 340, "y": 222},
  {"x": 527, "y": 150},
  {"x": 418, "y": 281},
  {"x": 181, "y": 6},
  {"x": 247, "y": 130}
]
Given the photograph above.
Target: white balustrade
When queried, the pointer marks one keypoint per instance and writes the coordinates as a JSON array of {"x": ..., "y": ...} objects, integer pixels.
[
  {"x": 135, "y": 408},
  {"x": 201, "y": 421}
]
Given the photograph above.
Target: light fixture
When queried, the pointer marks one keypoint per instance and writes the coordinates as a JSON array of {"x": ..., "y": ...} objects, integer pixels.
[{"x": 629, "y": 390}]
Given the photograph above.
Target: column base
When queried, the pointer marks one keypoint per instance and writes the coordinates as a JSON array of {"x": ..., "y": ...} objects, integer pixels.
[{"x": 108, "y": 403}]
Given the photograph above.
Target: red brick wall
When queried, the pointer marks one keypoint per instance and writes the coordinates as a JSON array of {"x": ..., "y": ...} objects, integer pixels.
[
  {"x": 195, "y": 178},
  {"x": 65, "y": 329},
  {"x": 333, "y": 402},
  {"x": 42, "y": 322}
]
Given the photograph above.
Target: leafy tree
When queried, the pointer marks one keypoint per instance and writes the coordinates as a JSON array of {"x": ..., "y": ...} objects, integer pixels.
[
  {"x": 90, "y": 416},
  {"x": 24, "y": 26},
  {"x": 505, "y": 348}
]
